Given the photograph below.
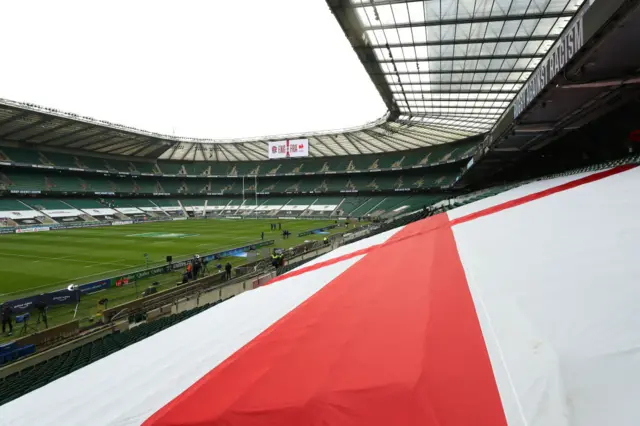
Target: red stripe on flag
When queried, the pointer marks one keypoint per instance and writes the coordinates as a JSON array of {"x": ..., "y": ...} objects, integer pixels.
[
  {"x": 394, "y": 340},
  {"x": 324, "y": 263}
]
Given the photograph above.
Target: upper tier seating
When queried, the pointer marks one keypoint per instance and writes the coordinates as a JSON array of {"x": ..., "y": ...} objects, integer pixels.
[
  {"x": 418, "y": 157},
  {"x": 70, "y": 182}
]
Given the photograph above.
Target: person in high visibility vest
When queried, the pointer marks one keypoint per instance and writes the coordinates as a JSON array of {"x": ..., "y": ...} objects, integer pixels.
[{"x": 326, "y": 240}]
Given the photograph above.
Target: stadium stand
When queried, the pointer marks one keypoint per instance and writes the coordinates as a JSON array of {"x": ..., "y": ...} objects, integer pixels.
[
  {"x": 84, "y": 203},
  {"x": 10, "y": 352},
  {"x": 9, "y": 204},
  {"x": 46, "y": 204},
  {"x": 15, "y": 179},
  {"x": 193, "y": 202},
  {"x": 412, "y": 158}
]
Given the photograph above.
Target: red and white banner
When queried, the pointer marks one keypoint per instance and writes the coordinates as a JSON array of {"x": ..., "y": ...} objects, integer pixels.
[
  {"x": 34, "y": 229},
  {"x": 290, "y": 148},
  {"x": 517, "y": 310}
]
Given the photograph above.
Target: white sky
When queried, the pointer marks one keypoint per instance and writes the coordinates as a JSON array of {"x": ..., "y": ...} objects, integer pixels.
[{"x": 210, "y": 68}]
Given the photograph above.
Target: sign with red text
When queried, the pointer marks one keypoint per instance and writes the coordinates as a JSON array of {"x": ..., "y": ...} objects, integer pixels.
[{"x": 289, "y": 148}]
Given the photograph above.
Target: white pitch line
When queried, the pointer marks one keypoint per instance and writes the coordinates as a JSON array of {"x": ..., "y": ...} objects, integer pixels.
[
  {"x": 67, "y": 259},
  {"x": 63, "y": 282}
]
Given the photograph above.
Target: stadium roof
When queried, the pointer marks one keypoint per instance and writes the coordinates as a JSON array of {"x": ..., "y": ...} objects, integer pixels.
[
  {"x": 38, "y": 126},
  {"x": 461, "y": 59},
  {"x": 446, "y": 69}
]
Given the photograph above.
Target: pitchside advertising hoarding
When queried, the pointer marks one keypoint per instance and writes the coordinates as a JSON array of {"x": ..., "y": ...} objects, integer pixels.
[
  {"x": 289, "y": 148},
  {"x": 66, "y": 296}
]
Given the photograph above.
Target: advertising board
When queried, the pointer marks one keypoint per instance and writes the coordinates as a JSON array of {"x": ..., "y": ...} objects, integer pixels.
[{"x": 289, "y": 148}]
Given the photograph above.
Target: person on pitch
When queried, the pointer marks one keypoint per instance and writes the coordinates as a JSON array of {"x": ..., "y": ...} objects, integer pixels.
[
  {"x": 227, "y": 270},
  {"x": 197, "y": 265},
  {"x": 190, "y": 270},
  {"x": 6, "y": 318}
]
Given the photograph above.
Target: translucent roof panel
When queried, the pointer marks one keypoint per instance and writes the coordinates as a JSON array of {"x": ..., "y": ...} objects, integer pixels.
[
  {"x": 386, "y": 136},
  {"x": 458, "y": 64}
]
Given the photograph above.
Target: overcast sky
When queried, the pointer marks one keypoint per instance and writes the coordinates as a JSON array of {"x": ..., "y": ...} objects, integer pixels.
[{"x": 210, "y": 68}]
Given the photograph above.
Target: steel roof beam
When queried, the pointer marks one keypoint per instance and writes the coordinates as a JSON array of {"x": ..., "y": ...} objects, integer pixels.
[
  {"x": 418, "y": 135},
  {"x": 462, "y": 121},
  {"x": 327, "y": 147},
  {"x": 350, "y": 23},
  {"x": 16, "y": 117},
  {"x": 448, "y": 99},
  {"x": 465, "y": 71},
  {"x": 175, "y": 148},
  {"x": 115, "y": 148},
  {"x": 444, "y": 83},
  {"x": 333, "y": 138},
  {"x": 124, "y": 149},
  {"x": 231, "y": 153},
  {"x": 259, "y": 155},
  {"x": 375, "y": 143},
  {"x": 431, "y": 132},
  {"x": 463, "y": 92},
  {"x": 468, "y": 41},
  {"x": 402, "y": 143},
  {"x": 472, "y": 20},
  {"x": 453, "y": 128},
  {"x": 463, "y": 58},
  {"x": 125, "y": 143},
  {"x": 98, "y": 143},
  {"x": 376, "y": 137},
  {"x": 139, "y": 149},
  {"x": 454, "y": 107},
  {"x": 72, "y": 133},
  {"x": 188, "y": 151},
  {"x": 47, "y": 142},
  {"x": 339, "y": 148},
  {"x": 202, "y": 152},
  {"x": 363, "y": 148},
  {"x": 66, "y": 123},
  {"x": 223, "y": 152},
  {"x": 23, "y": 127},
  {"x": 242, "y": 151},
  {"x": 382, "y": 3}
]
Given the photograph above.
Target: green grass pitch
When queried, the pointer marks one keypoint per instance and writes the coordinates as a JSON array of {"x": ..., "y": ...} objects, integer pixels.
[
  {"x": 39, "y": 262},
  {"x": 34, "y": 263}
]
